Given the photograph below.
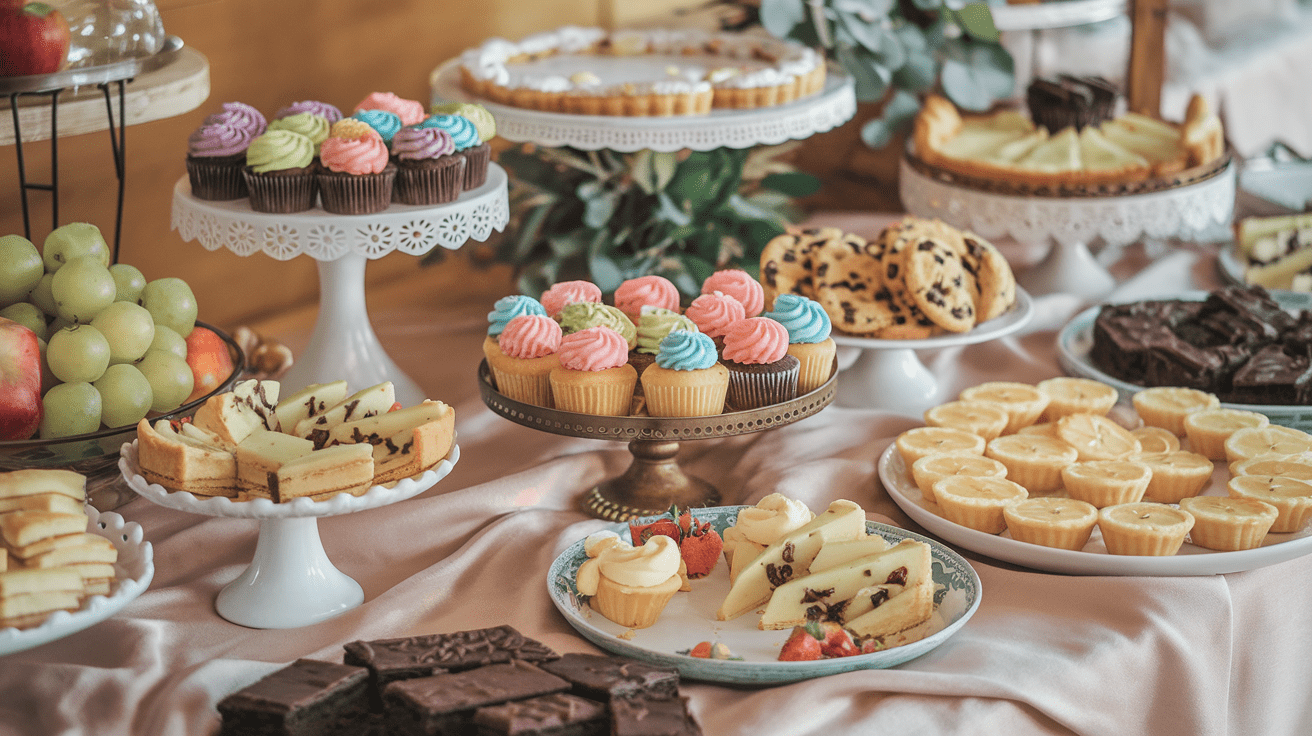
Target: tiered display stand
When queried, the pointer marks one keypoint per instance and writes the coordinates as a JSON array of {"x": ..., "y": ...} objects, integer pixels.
[{"x": 343, "y": 344}]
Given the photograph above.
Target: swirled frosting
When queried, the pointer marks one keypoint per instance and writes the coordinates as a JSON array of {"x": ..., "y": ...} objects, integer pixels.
[
  {"x": 385, "y": 123},
  {"x": 218, "y": 139},
  {"x": 805, "y": 320},
  {"x": 421, "y": 144},
  {"x": 656, "y": 561},
  {"x": 755, "y": 341},
  {"x": 477, "y": 114},
  {"x": 771, "y": 518},
  {"x": 530, "y": 336},
  {"x": 656, "y": 291},
  {"x": 593, "y": 349},
  {"x": 509, "y": 307},
  {"x": 409, "y": 111},
  {"x": 314, "y": 107},
  {"x": 655, "y": 323},
  {"x": 307, "y": 124},
  {"x": 462, "y": 130},
  {"x": 278, "y": 150},
  {"x": 239, "y": 115},
  {"x": 366, "y": 154},
  {"x": 682, "y": 350},
  {"x": 582, "y": 315},
  {"x": 714, "y": 313},
  {"x": 568, "y": 292},
  {"x": 741, "y": 286}
]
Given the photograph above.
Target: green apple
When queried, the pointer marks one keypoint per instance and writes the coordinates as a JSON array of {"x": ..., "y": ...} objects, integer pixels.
[
  {"x": 20, "y": 268},
  {"x": 29, "y": 316},
  {"x": 74, "y": 240},
  {"x": 129, "y": 282}
]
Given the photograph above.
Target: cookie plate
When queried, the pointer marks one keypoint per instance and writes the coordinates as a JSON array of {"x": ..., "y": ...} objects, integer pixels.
[
  {"x": 690, "y": 618},
  {"x": 132, "y": 575},
  {"x": 1094, "y": 558},
  {"x": 1004, "y": 324}
]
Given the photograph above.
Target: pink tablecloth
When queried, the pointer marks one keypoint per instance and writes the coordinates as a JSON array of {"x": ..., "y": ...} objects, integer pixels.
[{"x": 1044, "y": 654}]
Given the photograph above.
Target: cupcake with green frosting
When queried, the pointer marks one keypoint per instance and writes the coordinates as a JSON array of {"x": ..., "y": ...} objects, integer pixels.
[
  {"x": 582, "y": 315},
  {"x": 653, "y": 325},
  {"x": 307, "y": 124},
  {"x": 280, "y": 172}
]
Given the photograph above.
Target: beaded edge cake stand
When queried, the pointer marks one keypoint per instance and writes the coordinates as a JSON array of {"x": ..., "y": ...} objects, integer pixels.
[
  {"x": 1188, "y": 208},
  {"x": 343, "y": 344},
  {"x": 290, "y": 581},
  {"x": 654, "y": 481}
]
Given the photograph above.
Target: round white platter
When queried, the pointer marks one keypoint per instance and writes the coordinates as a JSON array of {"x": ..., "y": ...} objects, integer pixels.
[
  {"x": 1094, "y": 558},
  {"x": 133, "y": 572},
  {"x": 690, "y": 618}
]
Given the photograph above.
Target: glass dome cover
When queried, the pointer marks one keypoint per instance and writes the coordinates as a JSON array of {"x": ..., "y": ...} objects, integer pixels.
[{"x": 108, "y": 31}]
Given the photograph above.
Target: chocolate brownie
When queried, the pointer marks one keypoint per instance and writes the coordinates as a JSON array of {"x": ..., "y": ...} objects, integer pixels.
[
  {"x": 602, "y": 678},
  {"x": 652, "y": 717},
  {"x": 444, "y": 704},
  {"x": 1272, "y": 377},
  {"x": 560, "y": 714},
  {"x": 306, "y": 697}
]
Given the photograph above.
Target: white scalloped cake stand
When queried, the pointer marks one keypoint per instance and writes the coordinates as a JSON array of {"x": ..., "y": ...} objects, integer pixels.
[
  {"x": 1187, "y": 211},
  {"x": 343, "y": 344},
  {"x": 290, "y": 581},
  {"x": 833, "y": 106}
]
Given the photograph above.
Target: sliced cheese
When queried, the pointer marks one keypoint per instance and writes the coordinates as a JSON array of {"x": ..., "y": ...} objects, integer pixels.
[{"x": 824, "y": 595}]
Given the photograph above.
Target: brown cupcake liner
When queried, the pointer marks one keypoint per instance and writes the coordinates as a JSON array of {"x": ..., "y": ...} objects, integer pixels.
[
  {"x": 476, "y": 163},
  {"x": 437, "y": 181},
  {"x": 352, "y": 194},
  {"x": 282, "y": 192},
  {"x": 752, "y": 390},
  {"x": 217, "y": 179}
]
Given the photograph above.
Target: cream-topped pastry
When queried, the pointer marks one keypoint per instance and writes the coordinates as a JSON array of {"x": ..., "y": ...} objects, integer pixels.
[
  {"x": 760, "y": 526},
  {"x": 629, "y": 585}
]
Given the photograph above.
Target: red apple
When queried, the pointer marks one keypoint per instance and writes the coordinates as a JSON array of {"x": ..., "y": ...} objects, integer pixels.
[
  {"x": 20, "y": 381},
  {"x": 210, "y": 361},
  {"x": 34, "y": 38}
]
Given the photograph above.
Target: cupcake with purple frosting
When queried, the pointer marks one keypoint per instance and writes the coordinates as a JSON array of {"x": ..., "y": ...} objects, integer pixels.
[
  {"x": 216, "y": 154},
  {"x": 468, "y": 143},
  {"x": 314, "y": 107},
  {"x": 428, "y": 169},
  {"x": 240, "y": 115}
]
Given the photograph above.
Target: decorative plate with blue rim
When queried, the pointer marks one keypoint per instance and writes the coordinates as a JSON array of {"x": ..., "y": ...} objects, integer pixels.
[{"x": 690, "y": 617}]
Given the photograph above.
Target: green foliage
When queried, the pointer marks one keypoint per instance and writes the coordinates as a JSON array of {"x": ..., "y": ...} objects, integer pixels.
[
  {"x": 898, "y": 50},
  {"x": 607, "y": 217}
]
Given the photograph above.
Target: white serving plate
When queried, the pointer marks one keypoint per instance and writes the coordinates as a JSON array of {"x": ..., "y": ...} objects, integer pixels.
[
  {"x": 1094, "y": 558},
  {"x": 132, "y": 575},
  {"x": 690, "y": 618},
  {"x": 1015, "y": 318}
]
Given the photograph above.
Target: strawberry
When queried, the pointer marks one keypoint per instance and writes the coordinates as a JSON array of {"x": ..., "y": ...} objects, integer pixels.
[
  {"x": 642, "y": 532},
  {"x": 701, "y": 551},
  {"x": 803, "y": 645},
  {"x": 836, "y": 641},
  {"x": 396, "y": 406},
  {"x": 702, "y": 650},
  {"x": 870, "y": 646}
]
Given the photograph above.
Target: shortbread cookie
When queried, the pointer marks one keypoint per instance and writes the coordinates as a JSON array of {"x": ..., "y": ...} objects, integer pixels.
[
  {"x": 1063, "y": 523},
  {"x": 936, "y": 282},
  {"x": 1229, "y": 524},
  {"x": 1144, "y": 529}
]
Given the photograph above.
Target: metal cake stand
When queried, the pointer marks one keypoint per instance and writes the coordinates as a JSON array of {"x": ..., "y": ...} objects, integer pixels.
[{"x": 654, "y": 481}]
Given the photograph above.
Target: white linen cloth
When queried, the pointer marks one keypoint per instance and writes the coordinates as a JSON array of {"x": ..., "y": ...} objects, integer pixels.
[{"x": 1044, "y": 654}]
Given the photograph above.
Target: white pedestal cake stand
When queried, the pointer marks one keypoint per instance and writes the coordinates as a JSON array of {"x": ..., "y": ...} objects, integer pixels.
[
  {"x": 343, "y": 344},
  {"x": 290, "y": 581},
  {"x": 1187, "y": 209}
]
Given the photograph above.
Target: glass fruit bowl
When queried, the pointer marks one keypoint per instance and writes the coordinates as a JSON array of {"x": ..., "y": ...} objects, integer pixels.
[{"x": 96, "y": 453}]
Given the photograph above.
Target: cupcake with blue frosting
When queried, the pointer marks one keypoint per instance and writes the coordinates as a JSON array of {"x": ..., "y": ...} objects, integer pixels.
[
  {"x": 687, "y": 379},
  {"x": 505, "y": 309},
  {"x": 383, "y": 122},
  {"x": 469, "y": 144},
  {"x": 808, "y": 328}
]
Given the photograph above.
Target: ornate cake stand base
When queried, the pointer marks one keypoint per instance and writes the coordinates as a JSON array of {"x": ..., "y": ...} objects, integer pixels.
[{"x": 652, "y": 484}]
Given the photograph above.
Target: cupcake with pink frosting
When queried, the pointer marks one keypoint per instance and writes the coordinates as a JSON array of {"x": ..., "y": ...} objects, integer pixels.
[
  {"x": 427, "y": 169},
  {"x": 714, "y": 314},
  {"x": 356, "y": 174},
  {"x": 740, "y": 285},
  {"x": 644, "y": 291},
  {"x": 761, "y": 372},
  {"x": 594, "y": 376},
  {"x": 566, "y": 293},
  {"x": 410, "y": 111},
  {"x": 526, "y": 357}
]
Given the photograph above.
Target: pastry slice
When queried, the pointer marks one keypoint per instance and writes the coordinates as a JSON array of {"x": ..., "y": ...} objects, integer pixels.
[
  {"x": 1060, "y": 154},
  {"x": 42, "y": 502},
  {"x": 405, "y": 442},
  {"x": 325, "y": 473},
  {"x": 1156, "y": 141},
  {"x": 260, "y": 456},
  {"x": 234, "y": 415},
  {"x": 50, "y": 544},
  {"x": 180, "y": 462},
  {"x": 825, "y": 596},
  {"x": 978, "y": 138},
  {"x": 362, "y": 404},
  {"x": 1203, "y": 136},
  {"x": 1111, "y": 160},
  {"x": 790, "y": 557},
  {"x": 834, "y": 554},
  {"x": 309, "y": 402},
  {"x": 1014, "y": 150},
  {"x": 30, "y": 482},
  {"x": 896, "y": 619},
  {"x": 99, "y": 552},
  {"x": 21, "y": 528},
  {"x": 27, "y": 597}
]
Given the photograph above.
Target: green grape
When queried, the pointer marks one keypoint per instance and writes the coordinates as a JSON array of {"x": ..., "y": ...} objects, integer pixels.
[
  {"x": 82, "y": 287},
  {"x": 28, "y": 315},
  {"x": 171, "y": 379},
  {"x": 129, "y": 329},
  {"x": 21, "y": 268},
  {"x": 129, "y": 281},
  {"x": 78, "y": 354},
  {"x": 42, "y": 295},
  {"x": 125, "y": 395},
  {"x": 169, "y": 341},
  {"x": 74, "y": 240},
  {"x": 70, "y": 408},
  {"x": 171, "y": 303}
]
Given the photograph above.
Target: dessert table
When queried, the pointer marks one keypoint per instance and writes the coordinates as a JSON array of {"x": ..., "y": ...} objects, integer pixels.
[{"x": 1044, "y": 653}]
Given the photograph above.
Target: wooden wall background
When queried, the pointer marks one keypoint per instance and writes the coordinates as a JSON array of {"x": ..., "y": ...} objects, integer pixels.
[{"x": 268, "y": 54}]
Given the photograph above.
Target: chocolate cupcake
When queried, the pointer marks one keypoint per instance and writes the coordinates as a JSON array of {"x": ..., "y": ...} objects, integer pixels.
[
  {"x": 464, "y": 134},
  {"x": 428, "y": 171},
  {"x": 356, "y": 176},
  {"x": 1070, "y": 102},
  {"x": 280, "y": 171},
  {"x": 322, "y": 109},
  {"x": 761, "y": 372},
  {"x": 653, "y": 325},
  {"x": 215, "y": 156}
]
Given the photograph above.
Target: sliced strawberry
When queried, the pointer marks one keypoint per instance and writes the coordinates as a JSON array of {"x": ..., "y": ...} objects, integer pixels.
[
  {"x": 802, "y": 646},
  {"x": 642, "y": 532},
  {"x": 837, "y": 641},
  {"x": 702, "y": 650}
]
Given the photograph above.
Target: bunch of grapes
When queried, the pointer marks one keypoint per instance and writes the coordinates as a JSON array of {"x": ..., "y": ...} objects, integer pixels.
[{"x": 113, "y": 345}]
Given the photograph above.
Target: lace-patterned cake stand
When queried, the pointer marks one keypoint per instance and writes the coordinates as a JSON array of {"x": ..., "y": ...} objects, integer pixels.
[
  {"x": 830, "y": 108},
  {"x": 343, "y": 344},
  {"x": 1187, "y": 208}
]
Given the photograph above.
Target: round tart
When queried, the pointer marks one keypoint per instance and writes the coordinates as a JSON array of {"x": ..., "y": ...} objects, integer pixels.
[
  {"x": 1064, "y": 523},
  {"x": 1068, "y": 395},
  {"x": 1105, "y": 483},
  {"x": 1208, "y": 429},
  {"x": 1176, "y": 475},
  {"x": 986, "y": 419},
  {"x": 1284, "y": 467},
  {"x": 1156, "y": 439},
  {"x": 977, "y": 502},
  {"x": 1269, "y": 441},
  {"x": 930, "y": 469},
  {"x": 1229, "y": 524},
  {"x": 1032, "y": 460},
  {"x": 1152, "y": 529},
  {"x": 1167, "y": 406},
  {"x": 1291, "y": 497},
  {"x": 1096, "y": 437},
  {"x": 1023, "y": 402},
  {"x": 914, "y": 444}
]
